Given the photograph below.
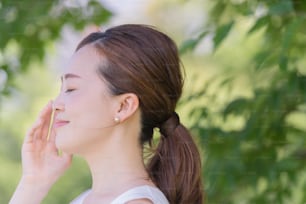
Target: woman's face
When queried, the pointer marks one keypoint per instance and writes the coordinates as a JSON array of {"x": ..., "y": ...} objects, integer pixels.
[{"x": 84, "y": 108}]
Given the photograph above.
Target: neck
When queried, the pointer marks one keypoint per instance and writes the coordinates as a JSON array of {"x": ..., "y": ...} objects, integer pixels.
[{"x": 117, "y": 166}]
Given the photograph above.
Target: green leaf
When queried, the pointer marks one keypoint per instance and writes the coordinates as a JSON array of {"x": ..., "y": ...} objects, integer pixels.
[
  {"x": 221, "y": 33},
  {"x": 283, "y": 62},
  {"x": 290, "y": 32},
  {"x": 287, "y": 39},
  {"x": 282, "y": 7},
  {"x": 227, "y": 81},
  {"x": 190, "y": 44},
  {"x": 218, "y": 10},
  {"x": 261, "y": 58},
  {"x": 236, "y": 107},
  {"x": 260, "y": 23},
  {"x": 100, "y": 13}
]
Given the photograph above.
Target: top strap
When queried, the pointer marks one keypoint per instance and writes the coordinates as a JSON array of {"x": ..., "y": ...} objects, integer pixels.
[
  {"x": 142, "y": 192},
  {"x": 80, "y": 198}
]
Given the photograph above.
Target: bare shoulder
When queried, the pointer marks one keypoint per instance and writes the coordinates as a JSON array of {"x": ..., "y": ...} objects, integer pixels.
[{"x": 140, "y": 201}]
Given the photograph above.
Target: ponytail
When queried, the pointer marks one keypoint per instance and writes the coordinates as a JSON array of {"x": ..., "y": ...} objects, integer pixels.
[{"x": 176, "y": 166}]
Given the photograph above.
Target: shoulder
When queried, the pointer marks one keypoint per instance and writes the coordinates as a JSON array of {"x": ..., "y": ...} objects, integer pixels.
[{"x": 140, "y": 201}]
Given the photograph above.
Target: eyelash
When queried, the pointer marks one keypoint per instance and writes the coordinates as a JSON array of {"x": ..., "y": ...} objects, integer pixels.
[{"x": 69, "y": 90}]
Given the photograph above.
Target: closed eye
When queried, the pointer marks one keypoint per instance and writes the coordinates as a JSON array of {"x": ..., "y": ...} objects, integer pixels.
[{"x": 69, "y": 90}]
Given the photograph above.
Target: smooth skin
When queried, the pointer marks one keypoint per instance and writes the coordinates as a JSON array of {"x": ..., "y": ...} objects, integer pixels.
[{"x": 113, "y": 154}]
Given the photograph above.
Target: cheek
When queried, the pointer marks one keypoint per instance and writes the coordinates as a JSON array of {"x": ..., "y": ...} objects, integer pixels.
[
  {"x": 89, "y": 110},
  {"x": 91, "y": 118}
]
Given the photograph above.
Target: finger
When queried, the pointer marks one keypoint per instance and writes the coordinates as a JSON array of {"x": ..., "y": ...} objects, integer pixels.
[
  {"x": 67, "y": 157},
  {"x": 52, "y": 135},
  {"x": 46, "y": 128},
  {"x": 51, "y": 148},
  {"x": 50, "y": 128},
  {"x": 30, "y": 135},
  {"x": 45, "y": 117}
]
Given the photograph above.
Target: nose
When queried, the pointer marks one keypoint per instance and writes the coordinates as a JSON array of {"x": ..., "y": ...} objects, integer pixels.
[{"x": 58, "y": 105}]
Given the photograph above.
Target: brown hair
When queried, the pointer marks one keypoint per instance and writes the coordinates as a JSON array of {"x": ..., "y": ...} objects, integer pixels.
[{"x": 144, "y": 61}]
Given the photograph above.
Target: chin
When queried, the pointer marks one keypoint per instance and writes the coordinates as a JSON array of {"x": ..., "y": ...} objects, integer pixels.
[{"x": 63, "y": 143}]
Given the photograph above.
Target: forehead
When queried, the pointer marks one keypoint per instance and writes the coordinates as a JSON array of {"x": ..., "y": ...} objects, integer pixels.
[{"x": 84, "y": 62}]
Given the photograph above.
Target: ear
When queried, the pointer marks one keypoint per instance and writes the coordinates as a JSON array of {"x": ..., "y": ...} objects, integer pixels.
[{"x": 128, "y": 104}]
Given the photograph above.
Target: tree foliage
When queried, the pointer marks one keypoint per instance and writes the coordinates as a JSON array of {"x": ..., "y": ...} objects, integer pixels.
[
  {"x": 27, "y": 27},
  {"x": 263, "y": 160}
]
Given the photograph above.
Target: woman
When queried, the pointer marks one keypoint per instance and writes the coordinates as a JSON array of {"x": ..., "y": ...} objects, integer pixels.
[{"x": 118, "y": 86}]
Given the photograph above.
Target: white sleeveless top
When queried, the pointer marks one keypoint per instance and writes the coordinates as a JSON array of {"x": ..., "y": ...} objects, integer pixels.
[{"x": 140, "y": 192}]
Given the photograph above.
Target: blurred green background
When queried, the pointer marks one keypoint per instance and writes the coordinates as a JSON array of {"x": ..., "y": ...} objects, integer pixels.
[{"x": 244, "y": 97}]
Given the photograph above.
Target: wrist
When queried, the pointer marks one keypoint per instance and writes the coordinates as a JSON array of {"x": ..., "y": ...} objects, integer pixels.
[
  {"x": 30, "y": 190},
  {"x": 35, "y": 183}
]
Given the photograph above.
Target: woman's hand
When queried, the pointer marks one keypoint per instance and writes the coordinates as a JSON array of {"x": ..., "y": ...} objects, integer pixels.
[
  {"x": 40, "y": 157},
  {"x": 42, "y": 164}
]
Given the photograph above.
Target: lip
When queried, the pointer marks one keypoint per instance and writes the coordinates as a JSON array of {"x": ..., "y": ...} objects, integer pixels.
[{"x": 60, "y": 123}]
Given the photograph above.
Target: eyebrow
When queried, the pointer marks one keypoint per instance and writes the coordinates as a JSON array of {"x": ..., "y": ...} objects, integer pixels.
[{"x": 69, "y": 75}]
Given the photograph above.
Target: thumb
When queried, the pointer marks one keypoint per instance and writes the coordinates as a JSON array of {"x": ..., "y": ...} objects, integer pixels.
[{"x": 67, "y": 157}]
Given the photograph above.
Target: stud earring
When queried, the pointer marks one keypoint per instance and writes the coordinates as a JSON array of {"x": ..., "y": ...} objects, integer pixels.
[{"x": 117, "y": 119}]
